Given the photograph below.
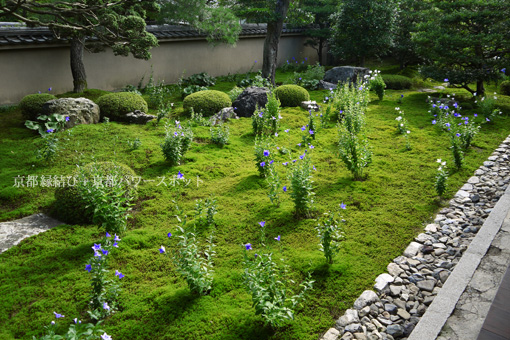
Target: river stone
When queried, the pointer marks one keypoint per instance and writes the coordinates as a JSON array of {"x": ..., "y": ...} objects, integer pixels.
[
  {"x": 395, "y": 330},
  {"x": 223, "y": 116},
  {"x": 249, "y": 99},
  {"x": 354, "y": 328},
  {"x": 394, "y": 269},
  {"x": 344, "y": 74},
  {"x": 79, "y": 110},
  {"x": 331, "y": 334},
  {"x": 426, "y": 285},
  {"x": 382, "y": 281},
  {"x": 412, "y": 249},
  {"x": 350, "y": 316},
  {"x": 366, "y": 298}
]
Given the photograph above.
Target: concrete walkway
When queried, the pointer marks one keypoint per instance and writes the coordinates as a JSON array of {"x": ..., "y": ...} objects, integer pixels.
[
  {"x": 459, "y": 310},
  {"x": 13, "y": 232}
]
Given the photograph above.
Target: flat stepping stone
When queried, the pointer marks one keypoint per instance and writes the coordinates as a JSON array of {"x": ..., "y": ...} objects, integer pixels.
[{"x": 13, "y": 232}]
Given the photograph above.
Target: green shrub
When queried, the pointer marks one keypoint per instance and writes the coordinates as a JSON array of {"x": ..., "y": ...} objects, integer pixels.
[
  {"x": 116, "y": 105},
  {"x": 504, "y": 88},
  {"x": 291, "y": 95},
  {"x": 395, "y": 82},
  {"x": 31, "y": 105},
  {"x": 70, "y": 206},
  {"x": 200, "y": 79},
  {"x": 208, "y": 102}
]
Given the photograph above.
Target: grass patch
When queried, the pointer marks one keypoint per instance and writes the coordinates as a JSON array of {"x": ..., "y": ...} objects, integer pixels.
[{"x": 45, "y": 273}]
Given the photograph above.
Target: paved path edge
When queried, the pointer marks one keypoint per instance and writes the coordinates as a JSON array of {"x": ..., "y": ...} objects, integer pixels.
[{"x": 431, "y": 323}]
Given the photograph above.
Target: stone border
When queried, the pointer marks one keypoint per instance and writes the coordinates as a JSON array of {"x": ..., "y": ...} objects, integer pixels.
[
  {"x": 433, "y": 320},
  {"x": 417, "y": 277}
]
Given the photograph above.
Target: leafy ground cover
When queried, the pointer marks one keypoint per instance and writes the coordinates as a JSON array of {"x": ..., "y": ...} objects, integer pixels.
[{"x": 46, "y": 273}]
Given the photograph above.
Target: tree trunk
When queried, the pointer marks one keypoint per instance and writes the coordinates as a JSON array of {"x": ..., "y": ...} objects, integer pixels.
[
  {"x": 77, "y": 66},
  {"x": 321, "y": 46},
  {"x": 480, "y": 89},
  {"x": 274, "y": 31}
]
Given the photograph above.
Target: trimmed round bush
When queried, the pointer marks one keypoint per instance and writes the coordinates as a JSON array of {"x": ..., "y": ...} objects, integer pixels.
[
  {"x": 291, "y": 95},
  {"x": 208, "y": 102},
  {"x": 396, "y": 82},
  {"x": 116, "y": 105},
  {"x": 504, "y": 88},
  {"x": 69, "y": 205},
  {"x": 31, "y": 105}
]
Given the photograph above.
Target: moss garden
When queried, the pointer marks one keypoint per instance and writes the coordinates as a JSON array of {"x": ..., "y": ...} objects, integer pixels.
[{"x": 215, "y": 192}]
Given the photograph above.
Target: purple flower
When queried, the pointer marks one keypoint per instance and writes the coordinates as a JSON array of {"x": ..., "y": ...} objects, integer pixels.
[
  {"x": 162, "y": 250},
  {"x": 262, "y": 223},
  {"x": 180, "y": 175},
  {"x": 108, "y": 235},
  {"x": 105, "y": 306},
  {"x": 52, "y": 322},
  {"x": 475, "y": 115},
  {"x": 285, "y": 188},
  {"x": 447, "y": 125},
  {"x": 298, "y": 144},
  {"x": 299, "y": 78},
  {"x": 312, "y": 147},
  {"x": 266, "y": 153},
  {"x": 487, "y": 119},
  {"x": 176, "y": 134},
  {"x": 255, "y": 61},
  {"x": 57, "y": 315},
  {"x": 343, "y": 206},
  {"x": 314, "y": 167},
  {"x": 50, "y": 130},
  {"x": 67, "y": 119},
  {"x": 96, "y": 246},
  {"x": 446, "y": 79},
  {"x": 434, "y": 122},
  {"x": 119, "y": 274},
  {"x": 88, "y": 268},
  {"x": 260, "y": 114},
  {"x": 105, "y": 252},
  {"x": 248, "y": 246},
  {"x": 271, "y": 161},
  {"x": 457, "y": 134},
  {"x": 169, "y": 235},
  {"x": 303, "y": 128},
  {"x": 287, "y": 130},
  {"x": 310, "y": 131},
  {"x": 76, "y": 320},
  {"x": 49, "y": 90},
  {"x": 262, "y": 164},
  {"x": 503, "y": 70},
  {"x": 401, "y": 96},
  {"x": 285, "y": 163},
  {"x": 97, "y": 254},
  {"x": 302, "y": 156},
  {"x": 116, "y": 244},
  {"x": 294, "y": 160},
  {"x": 277, "y": 238}
]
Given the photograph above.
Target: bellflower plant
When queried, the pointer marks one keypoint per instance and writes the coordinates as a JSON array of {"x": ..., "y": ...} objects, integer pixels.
[
  {"x": 220, "y": 134},
  {"x": 301, "y": 189},
  {"x": 441, "y": 178},
  {"x": 330, "y": 234},
  {"x": 177, "y": 142},
  {"x": 269, "y": 287},
  {"x": 195, "y": 268},
  {"x": 264, "y": 150},
  {"x": 266, "y": 121}
]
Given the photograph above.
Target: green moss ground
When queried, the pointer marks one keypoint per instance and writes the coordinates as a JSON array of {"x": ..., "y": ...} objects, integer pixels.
[{"x": 45, "y": 273}]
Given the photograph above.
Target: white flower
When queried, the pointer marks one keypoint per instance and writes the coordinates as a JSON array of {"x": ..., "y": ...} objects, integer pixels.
[
  {"x": 177, "y": 122},
  {"x": 495, "y": 97},
  {"x": 408, "y": 131},
  {"x": 439, "y": 160},
  {"x": 402, "y": 125},
  {"x": 474, "y": 94},
  {"x": 370, "y": 71},
  {"x": 448, "y": 95},
  {"x": 398, "y": 118},
  {"x": 444, "y": 163},
  {"x": 397, "y": 108}
]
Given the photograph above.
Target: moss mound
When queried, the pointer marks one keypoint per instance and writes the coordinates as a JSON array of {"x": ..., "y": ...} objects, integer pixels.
[
  {"x": 69, "y": 205},
  {"x": 291, "y": 95},
  {"x": 31, "y": 105},
  {"x": 208, "y": 102},
  {"x": 504, "y": 88},
  {"x": 396, "y": 82},
  {"x": 116, "y": 105}
]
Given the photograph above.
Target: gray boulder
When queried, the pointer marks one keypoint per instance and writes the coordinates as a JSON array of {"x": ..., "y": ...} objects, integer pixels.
[
  {"x": 249, "y": 99},
  {"x": 343, "y": 74},
  {"x": 79, "y": 110},
  {"x": 224, "y": 115},
  {"x": 138, "y": 117},
  {"x": 327, "y": 86}
]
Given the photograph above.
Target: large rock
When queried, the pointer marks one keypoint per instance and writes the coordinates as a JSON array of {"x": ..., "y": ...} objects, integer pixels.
[
  {"x": 79, "y": 110},
  {"x": 343, "y": 74},
  {"x": 138, "y": 117},
  {"x": 249, "y": 99},
  {"x": 223, "y": 116}
]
